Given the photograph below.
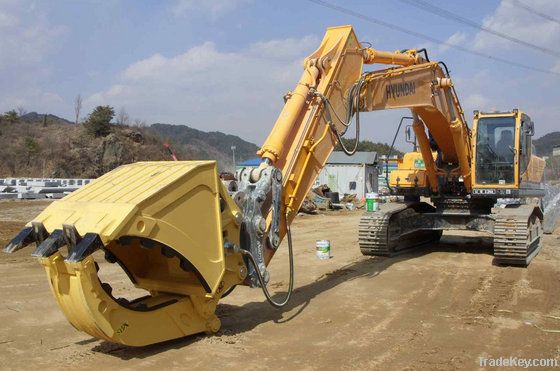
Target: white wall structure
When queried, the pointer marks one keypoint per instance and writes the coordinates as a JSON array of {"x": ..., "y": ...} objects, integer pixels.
[
  {"x": 357, "y": 174},
  {"x": 37, "y": 188}
]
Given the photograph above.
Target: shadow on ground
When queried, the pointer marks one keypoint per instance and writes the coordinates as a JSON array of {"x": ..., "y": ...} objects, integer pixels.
[{"x": 239, "y": 319}]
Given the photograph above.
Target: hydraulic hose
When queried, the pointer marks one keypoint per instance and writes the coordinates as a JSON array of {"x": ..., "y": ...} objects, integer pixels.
[
  {"x": 261, "y": 279},
  {"x": 391, "y": 151},
  {"x": 353, "y": 107},
  {"x": 423, "y": 50},
  {"x": 229, "y": 291}
]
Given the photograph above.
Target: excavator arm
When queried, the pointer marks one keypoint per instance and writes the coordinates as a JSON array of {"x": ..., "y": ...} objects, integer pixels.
[
  {"x": 186, "y": 239},
  {"x": 428, "y": 92},
  {"x": 333, "y": 89}
]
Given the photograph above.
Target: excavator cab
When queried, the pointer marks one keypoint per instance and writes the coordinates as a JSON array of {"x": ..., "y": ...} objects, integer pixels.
[
  {"x": 503, "y": 164},
  {"x": 495, "y": 150}
]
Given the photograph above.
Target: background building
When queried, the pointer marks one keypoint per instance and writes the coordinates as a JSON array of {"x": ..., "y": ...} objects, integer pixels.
[
  {"x": 357, "y": 174},
  {"x": 252, "y": 163}
]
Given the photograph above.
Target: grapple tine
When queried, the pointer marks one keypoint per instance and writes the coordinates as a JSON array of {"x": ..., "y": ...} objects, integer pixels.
[
  {"x": 87, "y": 246},
  {"x": 40, "y": 232},
  {"x": 70, "y": 235},
  {"x": 23, "y": 238},
  {"x": 51, "y": 245},
  {"x": 36, "y": 233}
]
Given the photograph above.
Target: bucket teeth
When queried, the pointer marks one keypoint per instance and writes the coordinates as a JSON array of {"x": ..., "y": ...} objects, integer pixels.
[
  {"x": 78, "y": 247},
  {"x": 71, "y": 236},
  {"x": 40, "y": 232},
  {"x": 51, "y": 245},
  {"x": 87, "y": 246},
  {"x": 36, "y": 233},
  {"x": 23, "y": 238}
]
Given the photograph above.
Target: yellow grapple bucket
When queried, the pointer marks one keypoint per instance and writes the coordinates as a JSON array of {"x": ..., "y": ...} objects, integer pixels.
[{"x": 162, "y": 222}]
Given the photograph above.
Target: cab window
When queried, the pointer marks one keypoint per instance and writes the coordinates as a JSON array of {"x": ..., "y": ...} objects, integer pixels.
[{"x": 495, "y": 150}]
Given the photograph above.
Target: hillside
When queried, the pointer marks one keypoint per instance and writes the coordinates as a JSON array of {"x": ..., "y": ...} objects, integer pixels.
[
  {"x": 544, "y": 144},
  {"x": 200, "y": 145},
  {"x": 55, "y": 147},
  {"x": 51, "y": 146},
  {"x": 34, "y": 117},
  {"x": 382, "y": 149}
]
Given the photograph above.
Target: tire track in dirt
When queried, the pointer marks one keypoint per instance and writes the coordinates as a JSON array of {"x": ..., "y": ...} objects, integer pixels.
[{"x": 432, "y": 286}]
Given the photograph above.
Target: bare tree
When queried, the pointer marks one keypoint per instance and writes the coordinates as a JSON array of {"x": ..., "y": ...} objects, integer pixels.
[
  {"x": 21, "y": 111},
  {"x": 122, "y": 117},
  {"x": 77, "y": 107},
  {"x": 139, "y": 123}
]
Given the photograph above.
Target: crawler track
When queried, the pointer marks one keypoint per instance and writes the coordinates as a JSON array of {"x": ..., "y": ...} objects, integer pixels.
[
  {"x": 373, "y": 234},
  {"x": 517, "y": 235},
  {"x": 379, "y": 233}
]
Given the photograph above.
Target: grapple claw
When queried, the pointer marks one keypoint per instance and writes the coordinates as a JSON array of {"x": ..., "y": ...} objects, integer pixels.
[
  {"x": 36, "y": 233},
  {"x": 87, "y": 245},
  {"x": 51, "y": 245},
  {"x": 23, "y": 238},
  {"x": 162, "y": 223},
  {"x": 71, "y": 236}
]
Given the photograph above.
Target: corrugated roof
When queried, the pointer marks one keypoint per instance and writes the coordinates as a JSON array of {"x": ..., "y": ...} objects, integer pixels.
[
  {"x": 336, "y": 157},
  {"x": 251, "y": 162},
  {"x": 369, "y": 158}
]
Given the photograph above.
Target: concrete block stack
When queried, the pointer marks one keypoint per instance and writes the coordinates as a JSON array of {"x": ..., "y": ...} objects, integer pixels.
[{"x": 38, "y": 188}]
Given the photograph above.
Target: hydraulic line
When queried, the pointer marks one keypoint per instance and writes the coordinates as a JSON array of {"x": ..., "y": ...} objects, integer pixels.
[
  {"x": 391, "y": 150},
  {"x": 229, "y": 291},
  {"x": 261, "y": 279},
  {"x": 423, "y": 50},
  {"x": 353, "y": 107}
]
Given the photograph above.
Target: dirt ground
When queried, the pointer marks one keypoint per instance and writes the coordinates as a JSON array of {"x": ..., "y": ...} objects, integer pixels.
[{"x": 441, "y": 307}]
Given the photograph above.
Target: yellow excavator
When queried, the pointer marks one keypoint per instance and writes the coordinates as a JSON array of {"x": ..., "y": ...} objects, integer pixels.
[{"x": 186, "y": 238}]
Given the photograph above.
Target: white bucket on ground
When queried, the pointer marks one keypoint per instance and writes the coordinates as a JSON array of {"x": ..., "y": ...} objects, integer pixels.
[{"x": 323, "y": 249}]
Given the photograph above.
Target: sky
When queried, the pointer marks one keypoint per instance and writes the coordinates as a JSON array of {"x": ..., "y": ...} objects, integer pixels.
[{"x": 224, "y": 65}]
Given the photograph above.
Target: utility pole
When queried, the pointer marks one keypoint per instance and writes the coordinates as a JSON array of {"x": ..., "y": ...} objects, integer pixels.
[
  {"x": 233, "y": 155},
  {"x": 78, "y": 107}
]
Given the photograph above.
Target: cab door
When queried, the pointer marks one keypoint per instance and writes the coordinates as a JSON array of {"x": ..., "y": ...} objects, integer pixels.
[
  {"x": 496, "y": 155},
  {"x": 526, "y": 131}
]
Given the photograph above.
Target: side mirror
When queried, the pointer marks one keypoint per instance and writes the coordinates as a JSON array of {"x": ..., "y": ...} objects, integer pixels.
[
  {"x": 409, "y": 135},
  {"x": 530, "y": 128}
]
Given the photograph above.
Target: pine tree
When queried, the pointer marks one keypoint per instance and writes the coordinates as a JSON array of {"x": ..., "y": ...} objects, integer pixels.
[{"x": 98, "y": 122}]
